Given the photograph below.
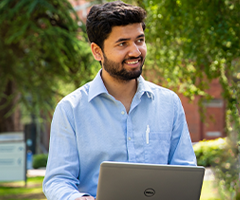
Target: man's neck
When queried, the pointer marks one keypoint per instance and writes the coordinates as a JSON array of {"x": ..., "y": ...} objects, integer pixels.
[{"x": 121, "y": 90}]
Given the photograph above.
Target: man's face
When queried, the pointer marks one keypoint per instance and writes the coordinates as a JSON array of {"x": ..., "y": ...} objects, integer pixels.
[{"x": 124, "y": 52}]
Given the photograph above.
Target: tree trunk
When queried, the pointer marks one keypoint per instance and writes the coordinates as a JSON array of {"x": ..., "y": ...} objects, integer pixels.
[{"x": 9, "y": 123}]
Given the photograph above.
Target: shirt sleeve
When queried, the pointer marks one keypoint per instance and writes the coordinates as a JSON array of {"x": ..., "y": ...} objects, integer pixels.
[
  {"x": 181, "y": 151},
  {"x": 62, "y": 172}
]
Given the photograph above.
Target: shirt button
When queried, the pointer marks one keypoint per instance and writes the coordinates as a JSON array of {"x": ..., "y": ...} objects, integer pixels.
[
  {"x": 122, "y": 112},
  {"x": 129, "y": 138}
]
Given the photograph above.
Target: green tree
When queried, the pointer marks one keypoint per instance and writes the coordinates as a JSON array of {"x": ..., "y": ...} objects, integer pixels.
[
  {"x": 190, "y": 43},
  {"x": 42, "y": 43}
]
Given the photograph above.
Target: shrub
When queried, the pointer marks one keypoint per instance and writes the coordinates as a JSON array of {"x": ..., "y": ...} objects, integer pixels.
[
  {"x": 209, "y": 151},
  {"x": 40, "y": 160}
]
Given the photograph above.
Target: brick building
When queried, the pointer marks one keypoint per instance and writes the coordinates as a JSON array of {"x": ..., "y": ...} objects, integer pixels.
[
  {"x": 81, "y": 7},
  {"x": 213, "y": 125}
]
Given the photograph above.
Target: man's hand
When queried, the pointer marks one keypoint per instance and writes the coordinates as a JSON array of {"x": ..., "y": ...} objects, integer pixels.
[{"x": 85, "y": 198}]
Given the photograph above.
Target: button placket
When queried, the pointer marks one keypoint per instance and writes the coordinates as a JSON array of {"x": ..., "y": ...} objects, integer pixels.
[{"x": 130, "y": 141}]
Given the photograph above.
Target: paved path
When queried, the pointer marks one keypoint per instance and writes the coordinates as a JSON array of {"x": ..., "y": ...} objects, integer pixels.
[
  {"x": 208, "y": 174},
  {"x": 41, "y": 172},
  {"x": 35, "y": 172}
]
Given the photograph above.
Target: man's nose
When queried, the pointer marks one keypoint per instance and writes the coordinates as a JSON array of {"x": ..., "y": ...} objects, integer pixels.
[{"x": 134, "y": 51}]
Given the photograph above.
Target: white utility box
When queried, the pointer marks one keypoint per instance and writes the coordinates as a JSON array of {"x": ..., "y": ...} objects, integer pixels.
[{"x": 12, "y": 157}]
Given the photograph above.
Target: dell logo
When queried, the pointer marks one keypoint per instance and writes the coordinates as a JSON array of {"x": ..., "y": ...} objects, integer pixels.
[{"x": 149, "y": 192}]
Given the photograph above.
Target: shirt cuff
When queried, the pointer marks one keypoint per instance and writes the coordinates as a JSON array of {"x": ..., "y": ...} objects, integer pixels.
[{"x": 77, "y": 195}]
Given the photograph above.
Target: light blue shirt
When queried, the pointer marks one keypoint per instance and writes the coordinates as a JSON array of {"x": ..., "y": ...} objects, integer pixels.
[{"x": 90, "y": 126}]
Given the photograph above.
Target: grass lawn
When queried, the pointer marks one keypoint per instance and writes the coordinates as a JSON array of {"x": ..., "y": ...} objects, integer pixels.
[
  {"x": 33, "y": 191},
  {"x": 17, "y": 190}
]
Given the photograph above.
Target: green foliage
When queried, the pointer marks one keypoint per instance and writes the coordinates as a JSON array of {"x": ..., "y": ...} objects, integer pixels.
[
  {"x": 41, "y": 43},
  {"x": 193, "y": 41},
  {"x": 208, "y": 151},
  {"x": 40, "y": 160},
  {"x": 226, "y": 167},
  {"x": 222, "y": 155}
]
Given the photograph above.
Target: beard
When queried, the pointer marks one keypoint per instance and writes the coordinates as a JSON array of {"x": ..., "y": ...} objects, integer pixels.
[{"x": 118, "y": 71}]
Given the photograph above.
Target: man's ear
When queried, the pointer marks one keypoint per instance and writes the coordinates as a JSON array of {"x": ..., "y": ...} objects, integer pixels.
[{"x": 96, "y": 51}]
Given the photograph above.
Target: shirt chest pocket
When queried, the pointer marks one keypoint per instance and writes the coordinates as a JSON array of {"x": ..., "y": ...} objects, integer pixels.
[{"x": 156, "y": 147}]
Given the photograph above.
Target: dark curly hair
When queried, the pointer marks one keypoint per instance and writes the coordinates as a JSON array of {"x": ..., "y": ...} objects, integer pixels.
[{"x": 101, "y": 19}]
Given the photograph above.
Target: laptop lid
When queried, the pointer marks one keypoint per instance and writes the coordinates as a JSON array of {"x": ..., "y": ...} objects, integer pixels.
[{"x": 135, "y": 181}]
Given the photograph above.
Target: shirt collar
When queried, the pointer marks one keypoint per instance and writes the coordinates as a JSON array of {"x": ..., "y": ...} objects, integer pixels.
[
  {"x": 97, "y": 87},
  {"x": 144, "y": 87}
]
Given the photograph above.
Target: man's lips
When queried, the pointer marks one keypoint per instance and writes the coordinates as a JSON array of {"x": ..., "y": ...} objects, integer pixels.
[{"x": 132, "y": 61}]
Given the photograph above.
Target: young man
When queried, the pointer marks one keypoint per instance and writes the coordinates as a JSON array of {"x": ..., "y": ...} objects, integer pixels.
[{"x": 118, "y": 116}]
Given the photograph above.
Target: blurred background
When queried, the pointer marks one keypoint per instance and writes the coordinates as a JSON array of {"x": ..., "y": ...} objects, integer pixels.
[{"x": 193, "y": 49}]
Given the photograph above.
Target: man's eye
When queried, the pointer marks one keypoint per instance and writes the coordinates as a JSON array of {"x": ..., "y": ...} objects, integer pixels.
[
  {"x": 122, "y": 44},
  {"x": 140, "y": 40}
]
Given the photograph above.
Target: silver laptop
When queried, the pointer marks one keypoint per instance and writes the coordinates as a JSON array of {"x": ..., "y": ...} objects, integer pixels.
[{"x": 134, "y": 181}]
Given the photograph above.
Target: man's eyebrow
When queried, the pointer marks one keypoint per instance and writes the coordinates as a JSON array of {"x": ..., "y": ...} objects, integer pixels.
[
  {"x": 122, "y": 40},
  {"x": 126, "y": 39},
  {"x": 140, "y": 36}
]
